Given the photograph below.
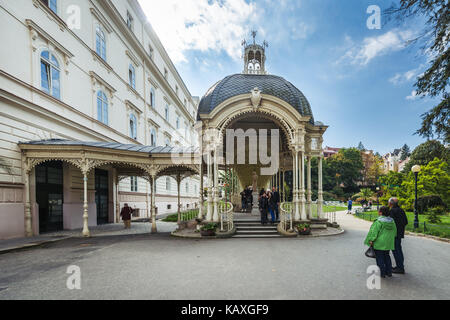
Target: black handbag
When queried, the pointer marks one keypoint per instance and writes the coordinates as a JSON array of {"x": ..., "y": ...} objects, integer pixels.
[{"x": 370, "y": 253}]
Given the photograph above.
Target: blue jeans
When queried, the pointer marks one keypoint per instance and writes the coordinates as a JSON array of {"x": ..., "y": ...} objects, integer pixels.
[
  {"x": 244, "y": 205},
  {"x": 398, "y": 254},
  {"x": 384, "y": 262},
  {"x": 272, "y": 214},
  {"x": 277, "y": 212}
]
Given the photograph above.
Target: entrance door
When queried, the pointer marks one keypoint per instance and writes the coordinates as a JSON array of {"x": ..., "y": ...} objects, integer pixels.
[
  {"x": 49, "y": 196},
  {"x": 102, "y": 196}
]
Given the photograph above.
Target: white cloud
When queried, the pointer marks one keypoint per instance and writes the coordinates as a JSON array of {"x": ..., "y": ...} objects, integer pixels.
[
  {"x": 407, "y": 76},
  {"x": 413, "y": 96},
  {"x": 373, "y": 47},
  {"x": 200, "y": 25}
]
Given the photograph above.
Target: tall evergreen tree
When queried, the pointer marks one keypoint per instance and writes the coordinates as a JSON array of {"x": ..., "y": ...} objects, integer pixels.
[
  {"x": 405, "y": 153},
  {"x": 361, "y": 147},
  {"x": 434, "y": 82}
]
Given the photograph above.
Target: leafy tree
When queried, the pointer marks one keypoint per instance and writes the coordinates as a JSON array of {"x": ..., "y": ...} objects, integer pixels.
[
  {"x": 434, "y": 81},
  {"x": 391, "y": 186},
  {"x": 375, "y": 170},
  {"x": 433, "y": 179},
  {"x": 405, "y": 153},
  {"x": 425, "y": 153},
  {"x": 365, "y": 193},
  {"x": 346, "y": 166}
]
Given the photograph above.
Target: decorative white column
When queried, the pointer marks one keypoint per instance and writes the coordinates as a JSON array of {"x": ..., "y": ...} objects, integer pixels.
[
  {"x": 216, "y": 217},
  {"x": 320, "y": 192},
  {"x": 302, "y": 191},
  {"x": 28, "y": 217},
  {"x": 309, "y": 193},
  {"x": 209, "y": 178},
  {"x": 153, "y": 202},
  {"x": 86, "y": 232},
  {"x": 178, "y": 198},
  {"x": 297, "y": 216},
  {"x": 116, "y": 202},
  {"x": 200, "y": 198}
]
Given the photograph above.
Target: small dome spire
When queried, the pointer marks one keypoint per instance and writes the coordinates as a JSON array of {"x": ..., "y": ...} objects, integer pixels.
[{"x": 254, "y": 56}]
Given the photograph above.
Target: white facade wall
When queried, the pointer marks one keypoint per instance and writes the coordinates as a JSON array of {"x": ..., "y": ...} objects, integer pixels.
[{"x": 27, "y": 113}]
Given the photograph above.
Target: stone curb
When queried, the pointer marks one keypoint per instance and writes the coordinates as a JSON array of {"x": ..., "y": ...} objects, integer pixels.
[
  {"x": 31, "y": 245},
  {"x": 428, "y": 236}
]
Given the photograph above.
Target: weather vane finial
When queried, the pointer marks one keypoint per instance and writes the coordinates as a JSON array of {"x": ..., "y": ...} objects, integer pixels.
[{"x": 254, "y": 32}]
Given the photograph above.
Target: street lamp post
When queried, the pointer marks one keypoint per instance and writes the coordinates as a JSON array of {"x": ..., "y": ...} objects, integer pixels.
[
  {"x": 416, "y": 170},
  {"x": 378, "y": 195}
]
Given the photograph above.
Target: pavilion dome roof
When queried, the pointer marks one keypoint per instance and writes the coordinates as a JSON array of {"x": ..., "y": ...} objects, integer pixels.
[{"x": 238, "y": 84}]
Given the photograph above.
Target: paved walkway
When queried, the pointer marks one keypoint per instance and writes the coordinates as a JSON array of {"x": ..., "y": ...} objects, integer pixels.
[
  {"x": 159, "y": 266},
  {"x": 106, "y": 230}
]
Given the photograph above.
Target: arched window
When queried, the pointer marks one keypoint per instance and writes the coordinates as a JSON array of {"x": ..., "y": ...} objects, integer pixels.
[
  {"x": 132, "y": 76},
  {"x": 102, "y": 107},
  {"x": 133, "y": 127},
  {"x": 152, "y": 97},
  {"x": 153, "y": 137},
  {"x": 50, "y": 74},
  {"x": 167, "y": 184},
  {"x": 100, "y": 43}
]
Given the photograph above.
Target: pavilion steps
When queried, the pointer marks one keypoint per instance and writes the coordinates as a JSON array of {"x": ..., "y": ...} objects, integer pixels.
[{"x": 252, "y": 228}]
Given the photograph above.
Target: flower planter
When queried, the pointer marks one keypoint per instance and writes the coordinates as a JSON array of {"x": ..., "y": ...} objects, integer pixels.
[
  {"x": 304, "y": 232},
  {"x": 208, "y": 233}
]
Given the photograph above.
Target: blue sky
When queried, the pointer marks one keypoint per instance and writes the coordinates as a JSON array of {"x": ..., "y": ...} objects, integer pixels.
[{"x": 358, "y": 81}]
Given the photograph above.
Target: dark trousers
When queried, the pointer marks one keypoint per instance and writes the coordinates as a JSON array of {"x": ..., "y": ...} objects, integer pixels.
[
  {"x": 263, "y": 216},
  {"x": 398, "y": 254},
  {"x": 384, "y": 262}
]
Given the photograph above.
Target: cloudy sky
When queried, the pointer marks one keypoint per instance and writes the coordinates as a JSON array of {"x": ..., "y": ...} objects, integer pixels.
[{"x": 358, "y": 81}]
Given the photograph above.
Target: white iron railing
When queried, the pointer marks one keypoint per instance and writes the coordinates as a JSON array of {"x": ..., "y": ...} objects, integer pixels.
[
  {"x": 226, "y": 216},
  {"x": 286, "y": 216}
]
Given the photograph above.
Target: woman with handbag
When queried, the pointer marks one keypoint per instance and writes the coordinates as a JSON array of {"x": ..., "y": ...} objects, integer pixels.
[{"x": 381, "y": 237}]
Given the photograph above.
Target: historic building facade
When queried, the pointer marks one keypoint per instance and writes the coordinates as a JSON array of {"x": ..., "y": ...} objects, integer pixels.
[{"x": 94, "y": 71}]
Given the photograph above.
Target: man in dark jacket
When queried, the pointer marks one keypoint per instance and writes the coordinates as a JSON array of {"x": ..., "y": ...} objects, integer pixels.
[
  {"x": 126, "y": 216},
  {"x": 401, "y": 221},
  {"x": 263, "y": 208},
  {"x": 276, "y": 200}
]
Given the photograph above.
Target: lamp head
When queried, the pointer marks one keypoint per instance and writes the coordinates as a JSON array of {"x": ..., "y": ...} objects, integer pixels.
[{"x": 415, "y": 169}]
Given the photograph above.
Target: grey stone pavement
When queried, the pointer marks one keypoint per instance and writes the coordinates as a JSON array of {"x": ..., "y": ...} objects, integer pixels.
[{"x": 144, "y": 266}]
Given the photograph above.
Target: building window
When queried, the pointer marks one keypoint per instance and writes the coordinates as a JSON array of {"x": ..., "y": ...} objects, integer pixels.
[
  {"x": 187, "y": 187},
  {"x": 150, "y": 51},
  {"x": 130, "y": 21},
  {"x": 153, "y": 138},
  {"x": 167, "y": 142},
  {"x": 134, "y": 184},
  {"x": 133, "y": 127},
  {"x": 152, "y": 97},
  {"x": 176, "y": 90},
  {"x": 166, "y": 113},
  {"x": 167, "y": 184},
  {"x": 132, "y": 76},
  {"x": 100, "y": 43},
  {"x": 50, "y": 74},
  {"x": 102, "y": 107},
  {"x": 52, "y": 4},
  {"x": 178, "y": 123},
  {"x": 166, "y": 74}
]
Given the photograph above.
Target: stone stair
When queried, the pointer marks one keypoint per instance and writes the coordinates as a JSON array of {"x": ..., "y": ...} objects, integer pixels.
[{"x": 252, "y": 228}]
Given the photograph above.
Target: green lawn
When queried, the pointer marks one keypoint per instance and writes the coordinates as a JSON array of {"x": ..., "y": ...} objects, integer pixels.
[{"x": 440, "y": 230}]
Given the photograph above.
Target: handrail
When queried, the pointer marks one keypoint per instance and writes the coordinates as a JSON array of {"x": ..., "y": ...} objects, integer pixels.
[
  {"x": 189, "y": 215},
  {"x": 286, "y": 216},
  {"x": 226, "y": 215}
]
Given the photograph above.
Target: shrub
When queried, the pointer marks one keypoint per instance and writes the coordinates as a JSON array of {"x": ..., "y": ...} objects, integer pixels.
[
  {"x": 428, "y": 202},
  {"x": 435, "y": 213}
]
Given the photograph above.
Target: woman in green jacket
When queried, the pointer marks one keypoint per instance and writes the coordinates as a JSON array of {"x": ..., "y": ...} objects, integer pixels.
[{"x": 381, "y": 237}]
